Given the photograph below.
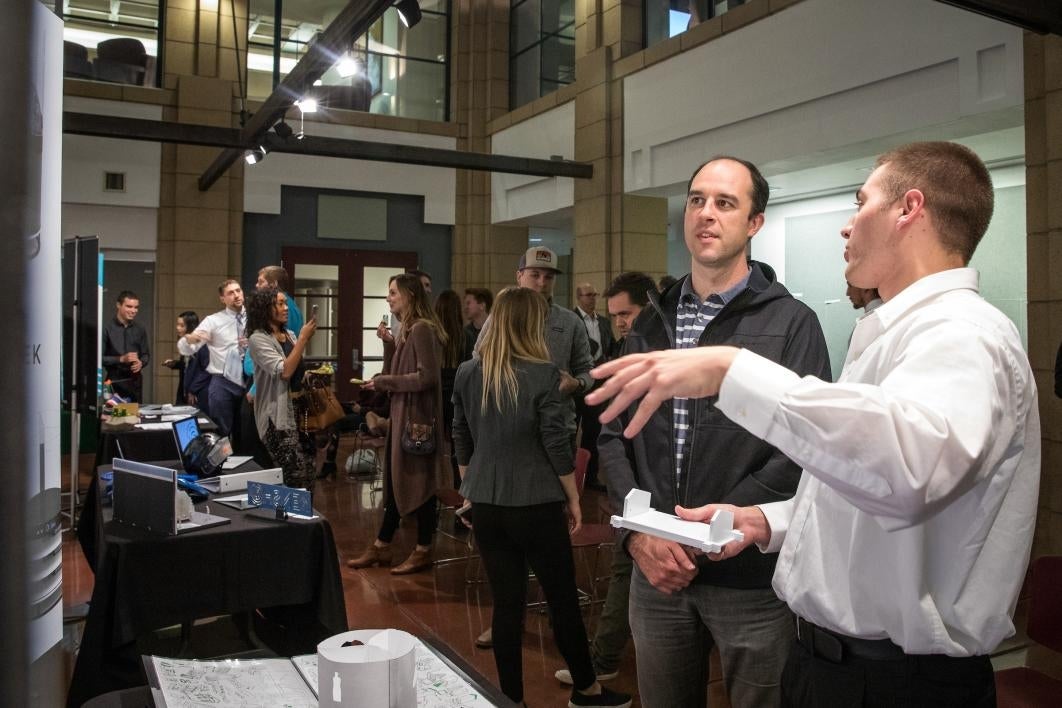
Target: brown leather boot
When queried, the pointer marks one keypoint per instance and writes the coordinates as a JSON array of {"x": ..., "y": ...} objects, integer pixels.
[
  {"x": 417, "y": 561},
  {"x": 373, "y": 555}
]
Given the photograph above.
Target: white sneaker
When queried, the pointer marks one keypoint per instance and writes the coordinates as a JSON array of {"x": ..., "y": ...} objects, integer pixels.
[{"x": 565, "y": 676}]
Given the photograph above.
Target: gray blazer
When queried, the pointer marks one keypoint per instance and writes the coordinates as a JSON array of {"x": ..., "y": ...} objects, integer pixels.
[{"x": 513, "y": 456}]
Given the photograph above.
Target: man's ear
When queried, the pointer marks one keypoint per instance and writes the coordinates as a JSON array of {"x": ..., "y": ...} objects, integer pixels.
[
  {"x": 912, "y": 205},
  {"x": 755, "y": 224}
]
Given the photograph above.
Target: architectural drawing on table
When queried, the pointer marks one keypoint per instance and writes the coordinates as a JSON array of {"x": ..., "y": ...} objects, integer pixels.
[{"x": 638, "y": 515}]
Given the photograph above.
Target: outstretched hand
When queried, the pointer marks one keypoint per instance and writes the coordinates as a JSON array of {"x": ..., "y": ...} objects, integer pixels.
[
  {"x": 749, "y": 520},
  {"x": 656, "y": 377}
]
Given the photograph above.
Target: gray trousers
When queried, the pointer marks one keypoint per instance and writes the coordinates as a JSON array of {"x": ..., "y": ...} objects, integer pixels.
[
  {"x": 613, "y": 626},
  {"x": 674, "y": 634}
]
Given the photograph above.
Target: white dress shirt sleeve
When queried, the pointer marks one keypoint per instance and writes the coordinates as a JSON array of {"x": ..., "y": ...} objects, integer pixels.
[
  {"x": 898, "y": 449},
  {"x": 186, "y": 348},
  {"x": 778, "y": 515}
]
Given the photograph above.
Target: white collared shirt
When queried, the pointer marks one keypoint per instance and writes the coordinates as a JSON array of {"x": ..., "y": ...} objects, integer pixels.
[
  {"x": 220, "y": 331},
  {"x": 915, "y": 515},
  {"x": 593, "y": 328}
]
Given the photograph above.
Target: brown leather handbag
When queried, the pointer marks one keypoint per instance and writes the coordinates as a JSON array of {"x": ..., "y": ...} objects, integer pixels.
[{"x": 316, "y": 406}]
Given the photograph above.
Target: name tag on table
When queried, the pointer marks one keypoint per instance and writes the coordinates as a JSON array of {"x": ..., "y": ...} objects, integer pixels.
[{"x": 275, "y": 496}]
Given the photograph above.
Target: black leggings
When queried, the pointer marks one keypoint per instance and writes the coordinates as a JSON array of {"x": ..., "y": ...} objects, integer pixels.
[
  {"x": 511, "y": 539},
  {"x": 425, "y": 514}
]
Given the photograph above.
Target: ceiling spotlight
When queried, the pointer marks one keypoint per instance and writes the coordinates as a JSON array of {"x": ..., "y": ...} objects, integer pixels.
[
  {"x": 408, "y": 12},
  {"x": 283, "y": 130},
  {"x": 307, "y": 105},
  {"x": 348, "y": 66},
  {"x": 255, "y": 155}
]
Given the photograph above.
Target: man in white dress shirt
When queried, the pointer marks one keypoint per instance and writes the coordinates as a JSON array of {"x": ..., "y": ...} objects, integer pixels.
[
  {"x": 223, "y": 335},
  {"x": 905, "y": 547}
]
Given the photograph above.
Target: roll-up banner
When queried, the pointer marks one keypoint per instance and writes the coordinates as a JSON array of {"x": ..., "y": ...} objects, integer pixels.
[{"x": 43, "y": 326}]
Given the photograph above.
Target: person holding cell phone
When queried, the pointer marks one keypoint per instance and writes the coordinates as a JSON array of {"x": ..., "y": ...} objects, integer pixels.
[
  {"x": 508, "y": 406},
  {"x": 278, "y": 368},
  {"x": 412, "y": 362}
]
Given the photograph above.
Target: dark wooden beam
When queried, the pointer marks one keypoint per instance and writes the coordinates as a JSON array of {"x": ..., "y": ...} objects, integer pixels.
[
  {"x": 1041, "y": 16},
  {"x": 353, "y": 21},
  {"x": 232, "y": 139}
]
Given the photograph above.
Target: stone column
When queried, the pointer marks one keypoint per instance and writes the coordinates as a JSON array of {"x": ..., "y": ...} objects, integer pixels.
[
  {"x": 200, "y": 235},
  {"x": 613, "y": 232},
  {"x": 483, "y": 255},
  {"x": 1043, "y": 203}
]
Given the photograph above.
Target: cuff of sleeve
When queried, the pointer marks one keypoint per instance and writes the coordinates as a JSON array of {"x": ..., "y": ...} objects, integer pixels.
[
  {"x": 751, "y": 390},
  {"x": 778, "y": 519}
]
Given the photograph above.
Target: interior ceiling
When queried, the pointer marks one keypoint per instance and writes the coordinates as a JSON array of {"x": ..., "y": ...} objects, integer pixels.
[{"x": 844, "y": 168}]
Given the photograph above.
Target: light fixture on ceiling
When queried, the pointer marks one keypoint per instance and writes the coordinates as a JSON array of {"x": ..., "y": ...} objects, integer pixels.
[
  {"x": 408, "y": 12},
  {"x": 283, "y": 130},
  {"x": 255, "y": 155},
  {"x": 348, "y": 66}
]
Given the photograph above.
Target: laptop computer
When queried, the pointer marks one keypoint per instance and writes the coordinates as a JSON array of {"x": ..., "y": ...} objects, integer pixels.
[
  {"x": 184, "y": 432},
  {"x": 148, "y": 447},
  {"x": 144, "y": 497}
]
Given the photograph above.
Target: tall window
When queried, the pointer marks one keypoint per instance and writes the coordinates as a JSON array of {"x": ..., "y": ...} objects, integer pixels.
[
  {"x": 112, "y": 40},
  {"x": 667, "y": 18},
  {"x": 541, "y": 48},
  {"x": 389, "y": 70}
]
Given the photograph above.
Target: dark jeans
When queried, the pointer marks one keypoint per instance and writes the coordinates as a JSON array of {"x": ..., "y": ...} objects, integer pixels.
[
  {"x": 511, "y": 539},
  {"x": 425, "y": 515},
  {"x": 915, "y": 681},
  {"x": 225, "y": 401}
]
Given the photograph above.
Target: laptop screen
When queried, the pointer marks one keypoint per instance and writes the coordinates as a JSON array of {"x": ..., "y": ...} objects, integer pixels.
[{"x": 185, "y": 431}]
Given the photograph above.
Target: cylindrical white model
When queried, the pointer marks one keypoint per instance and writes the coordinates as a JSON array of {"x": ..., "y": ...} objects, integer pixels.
[{"x": 378, "y": 673}]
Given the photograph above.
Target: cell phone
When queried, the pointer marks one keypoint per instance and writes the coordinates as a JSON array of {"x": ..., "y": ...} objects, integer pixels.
[
  {"x": 357, "y": 382},
  {"x": 313, "y": 312}
]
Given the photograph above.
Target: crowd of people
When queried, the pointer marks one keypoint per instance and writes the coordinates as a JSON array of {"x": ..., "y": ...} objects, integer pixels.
[{"x": 887, "y": 520}]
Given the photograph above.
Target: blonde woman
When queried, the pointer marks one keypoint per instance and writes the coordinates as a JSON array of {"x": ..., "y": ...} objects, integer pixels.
[
  {"x": 516, "y": 460},
  {"x": 411, "y": 376}
]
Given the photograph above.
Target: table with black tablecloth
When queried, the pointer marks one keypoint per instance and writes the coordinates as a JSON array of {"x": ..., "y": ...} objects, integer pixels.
[{"x": 286, "y": 570}]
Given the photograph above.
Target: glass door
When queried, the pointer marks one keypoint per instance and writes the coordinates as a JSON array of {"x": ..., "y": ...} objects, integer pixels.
[{"x": 350, "y": 289}]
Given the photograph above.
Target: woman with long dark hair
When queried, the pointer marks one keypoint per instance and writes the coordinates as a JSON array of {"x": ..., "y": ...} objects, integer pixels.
[
  {"x": 411, "y": 376},
  {"x": 517, "y": 461},
  {"x": 277, "y": 356},
  {"x": 459, "y": 345},
  {"x": 192, "y": 376}
]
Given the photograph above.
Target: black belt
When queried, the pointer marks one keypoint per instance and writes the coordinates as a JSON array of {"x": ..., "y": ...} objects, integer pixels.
[{"x": 837, "y": 647}]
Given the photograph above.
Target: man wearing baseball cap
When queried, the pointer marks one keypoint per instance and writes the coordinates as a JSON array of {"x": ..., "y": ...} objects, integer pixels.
[{"x": 569, "y": 347}]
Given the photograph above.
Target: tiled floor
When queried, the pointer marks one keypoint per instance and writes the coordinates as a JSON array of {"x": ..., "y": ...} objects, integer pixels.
[{"x": 440, "y": 602}]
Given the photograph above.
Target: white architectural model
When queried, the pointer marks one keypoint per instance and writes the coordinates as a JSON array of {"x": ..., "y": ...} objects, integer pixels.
[{"x": 710, "y": 538}]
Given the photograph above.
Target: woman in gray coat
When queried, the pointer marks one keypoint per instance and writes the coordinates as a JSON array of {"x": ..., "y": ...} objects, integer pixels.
[
  {"x": 516, "y": 459},
  {"x": 277, "y": 357}
]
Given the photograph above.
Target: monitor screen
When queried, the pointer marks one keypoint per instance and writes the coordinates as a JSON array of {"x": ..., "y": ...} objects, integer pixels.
[{"x": 186, "y": 431}]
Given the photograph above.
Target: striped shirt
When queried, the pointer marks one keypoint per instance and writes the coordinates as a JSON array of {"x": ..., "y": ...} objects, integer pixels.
[{"x": 691, "y": 320}]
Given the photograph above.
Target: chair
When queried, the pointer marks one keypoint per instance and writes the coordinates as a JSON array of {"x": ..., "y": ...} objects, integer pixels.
[
  {"x": 451, "y": 500},
  {"x": 373, "y": 444},
  {"x": 76, "y": 63},
  {"x": 591, "y": 537},
  {"x": 1025, "y": 687},
  {"x": 347, "y": 97},
  {"x": 121, "y": 60}
]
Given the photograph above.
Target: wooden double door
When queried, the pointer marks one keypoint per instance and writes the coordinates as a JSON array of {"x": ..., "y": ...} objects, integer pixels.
[{"x": 349, "y": 288}]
